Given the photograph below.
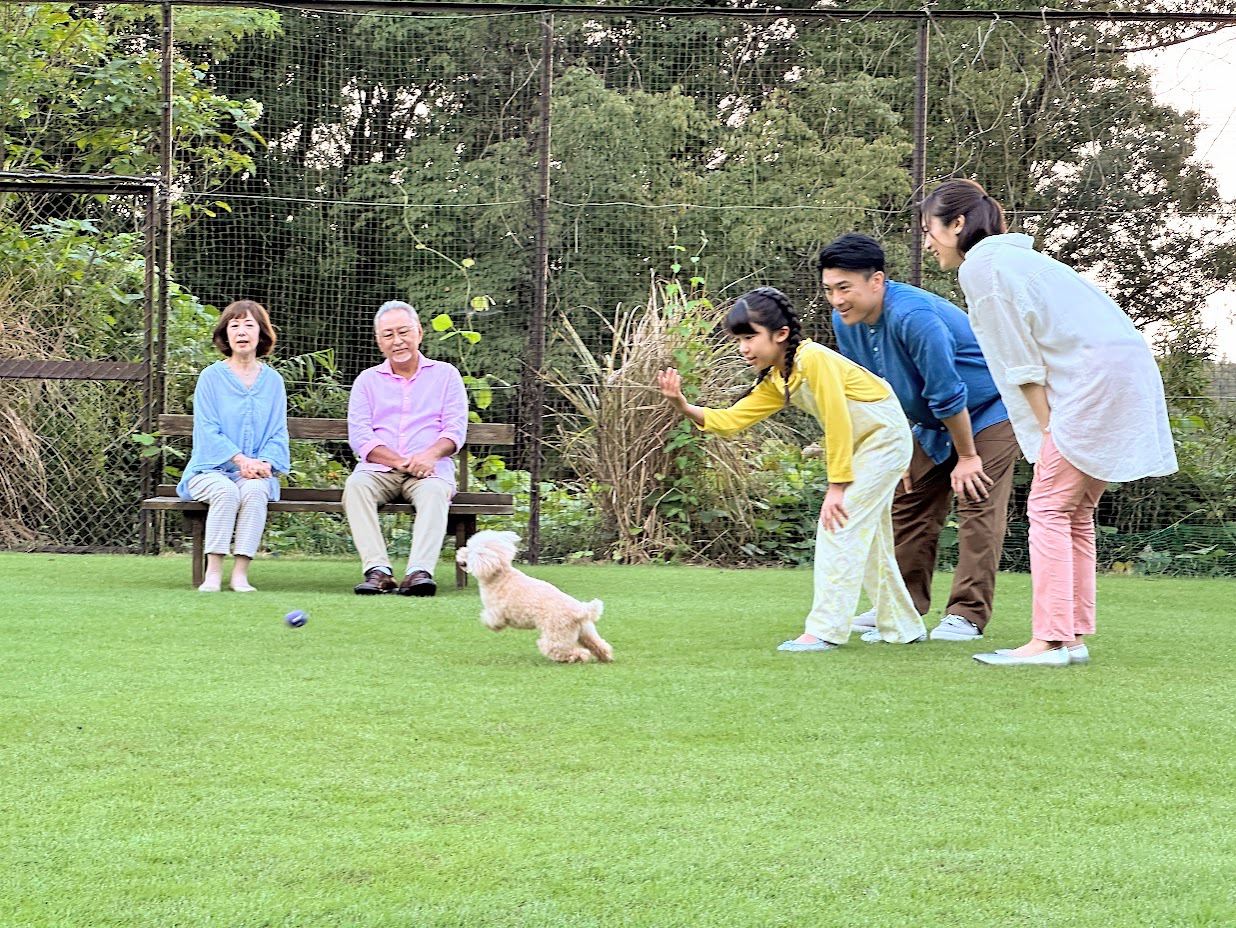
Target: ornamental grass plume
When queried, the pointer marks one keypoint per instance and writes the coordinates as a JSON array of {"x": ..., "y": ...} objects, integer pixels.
[{"x": 665, "y": 489}]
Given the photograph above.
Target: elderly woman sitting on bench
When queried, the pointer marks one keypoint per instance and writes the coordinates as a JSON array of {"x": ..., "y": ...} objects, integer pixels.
[{"x": 240, "y": 442}]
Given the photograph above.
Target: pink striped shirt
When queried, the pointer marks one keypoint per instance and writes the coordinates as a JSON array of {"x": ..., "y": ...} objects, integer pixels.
[{"x": 408, "y": 416}]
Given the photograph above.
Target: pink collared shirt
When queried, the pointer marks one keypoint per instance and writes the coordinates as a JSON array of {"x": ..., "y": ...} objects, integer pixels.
[{"x": 408, "y": 416}]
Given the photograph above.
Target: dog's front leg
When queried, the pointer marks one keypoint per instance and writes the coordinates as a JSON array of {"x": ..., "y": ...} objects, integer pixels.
[{"x": 492, "y": 620}]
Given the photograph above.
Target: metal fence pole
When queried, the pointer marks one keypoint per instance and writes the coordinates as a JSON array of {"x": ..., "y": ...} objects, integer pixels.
[
  {"x": 536, "y": 328},
  {"x": 918, "y": 168},
  {"x": 166, "y": 156},
  {"x": 149, "y": 407},
  {"x": 162, "y": 229}
]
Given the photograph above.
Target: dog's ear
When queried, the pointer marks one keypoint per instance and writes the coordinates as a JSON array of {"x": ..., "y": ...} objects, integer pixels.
[
  {"x": 485, "y": 560},
  {"x": 510, "y": 538}
]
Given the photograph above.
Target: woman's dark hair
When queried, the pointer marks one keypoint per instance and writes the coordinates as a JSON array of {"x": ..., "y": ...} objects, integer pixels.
[
  {"x": 238, "y": 310},
  {"x": 770, "y": 308},
  {"x": 851, "y": 252},
  {"x": 960, "y": 197}
]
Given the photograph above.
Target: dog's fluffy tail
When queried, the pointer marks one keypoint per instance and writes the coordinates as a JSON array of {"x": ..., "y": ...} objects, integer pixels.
[{"x": 595, "y": 608}]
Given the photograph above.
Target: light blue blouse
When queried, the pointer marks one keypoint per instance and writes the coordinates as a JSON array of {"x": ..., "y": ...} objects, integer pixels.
[{"x": 230, "y": 418}]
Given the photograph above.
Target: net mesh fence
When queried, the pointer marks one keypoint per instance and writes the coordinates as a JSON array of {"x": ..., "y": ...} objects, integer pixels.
[
  {"x": 74, "y": 300},
  {"x": 395, "y": 155}
]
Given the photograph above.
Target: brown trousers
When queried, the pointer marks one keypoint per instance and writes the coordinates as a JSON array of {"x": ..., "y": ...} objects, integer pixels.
[{"x": 920, "y": 514}]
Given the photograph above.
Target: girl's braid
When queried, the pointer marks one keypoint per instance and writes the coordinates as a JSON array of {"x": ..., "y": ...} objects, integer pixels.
[{"x": 792, "y": 341}]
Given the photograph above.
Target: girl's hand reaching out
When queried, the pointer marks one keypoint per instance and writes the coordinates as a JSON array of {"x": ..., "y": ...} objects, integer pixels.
[{"x": 669, "y": 382}]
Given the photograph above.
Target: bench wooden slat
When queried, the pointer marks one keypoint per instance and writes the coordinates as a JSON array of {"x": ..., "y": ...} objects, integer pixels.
[
  {"x": 299, "y": 427},
  {"x": 166, "y": 493},
  {"x": 172, "y": 502},
  {"x": 481, "y": 504}
]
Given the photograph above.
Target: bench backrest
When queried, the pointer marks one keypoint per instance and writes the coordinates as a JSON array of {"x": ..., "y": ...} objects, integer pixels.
[{"x": 305, "y": 429}]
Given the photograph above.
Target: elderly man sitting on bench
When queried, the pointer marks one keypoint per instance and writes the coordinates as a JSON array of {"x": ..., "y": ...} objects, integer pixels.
[{"x": 406, "y": 418}]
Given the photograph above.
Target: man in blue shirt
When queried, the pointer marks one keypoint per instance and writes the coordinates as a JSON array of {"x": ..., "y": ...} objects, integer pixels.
[{"x": 964, "y": 444}]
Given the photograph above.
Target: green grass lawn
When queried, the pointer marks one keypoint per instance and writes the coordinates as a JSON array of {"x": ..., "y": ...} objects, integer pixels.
[{"x": 169, "y": 758}]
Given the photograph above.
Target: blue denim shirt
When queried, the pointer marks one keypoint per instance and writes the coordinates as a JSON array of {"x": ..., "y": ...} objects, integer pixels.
[
  {"x": 924, "y": 347},
  {"x": 229, "y": 417}
]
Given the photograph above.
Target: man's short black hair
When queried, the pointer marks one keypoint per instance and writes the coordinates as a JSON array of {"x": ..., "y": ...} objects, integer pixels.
[{"x": 851, "y": 252}]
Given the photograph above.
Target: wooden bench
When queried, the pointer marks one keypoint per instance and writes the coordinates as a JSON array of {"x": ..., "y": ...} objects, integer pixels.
[{"x": 465, "y": 507}]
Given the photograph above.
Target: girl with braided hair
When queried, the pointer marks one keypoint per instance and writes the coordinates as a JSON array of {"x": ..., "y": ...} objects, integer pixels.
[{"x": 868, "y": 446}]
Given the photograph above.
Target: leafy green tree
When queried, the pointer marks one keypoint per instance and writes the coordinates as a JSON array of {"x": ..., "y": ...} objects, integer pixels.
[
  {"x": 80, "y": 93},
  {"x": 1061, "y": 127}
]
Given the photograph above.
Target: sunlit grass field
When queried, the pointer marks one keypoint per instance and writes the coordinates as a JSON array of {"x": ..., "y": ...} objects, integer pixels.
[{"x": 170, "y": 758}]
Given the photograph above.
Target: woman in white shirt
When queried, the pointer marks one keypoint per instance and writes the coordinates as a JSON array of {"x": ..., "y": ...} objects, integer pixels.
[{"x": 1082, "y": 390}]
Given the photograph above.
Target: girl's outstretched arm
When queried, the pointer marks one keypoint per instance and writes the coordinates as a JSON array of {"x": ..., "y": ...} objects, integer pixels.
[{"x": 669, "y": 382}]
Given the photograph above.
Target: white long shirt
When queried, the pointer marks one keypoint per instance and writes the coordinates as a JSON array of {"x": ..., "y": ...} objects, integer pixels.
[{"x": 1039, "y": 321}]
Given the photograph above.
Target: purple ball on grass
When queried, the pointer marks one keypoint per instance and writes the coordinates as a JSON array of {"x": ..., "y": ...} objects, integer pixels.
[{"x": 296, "y": 618}]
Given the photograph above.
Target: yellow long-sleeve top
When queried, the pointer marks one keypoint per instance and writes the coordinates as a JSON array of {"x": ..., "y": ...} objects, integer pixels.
[{"x": 821, "y": 382}]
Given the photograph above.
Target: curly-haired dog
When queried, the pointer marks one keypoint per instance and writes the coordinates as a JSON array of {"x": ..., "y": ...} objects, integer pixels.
[{"x": 510, "y": 598}]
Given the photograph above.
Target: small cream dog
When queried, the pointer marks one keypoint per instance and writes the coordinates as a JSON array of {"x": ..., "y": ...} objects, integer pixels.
[{"x": 510, "y": 598}]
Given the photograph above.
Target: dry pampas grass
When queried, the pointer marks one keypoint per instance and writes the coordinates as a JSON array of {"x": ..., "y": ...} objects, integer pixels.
[{"x": 616, "y": 429}]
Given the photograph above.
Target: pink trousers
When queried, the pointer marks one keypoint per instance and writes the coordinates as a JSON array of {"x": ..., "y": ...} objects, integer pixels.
[{"x": 1062, "y": 554}]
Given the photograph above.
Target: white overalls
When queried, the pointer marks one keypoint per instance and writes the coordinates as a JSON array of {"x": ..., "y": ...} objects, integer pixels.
[{"x": 861, "y": 555}]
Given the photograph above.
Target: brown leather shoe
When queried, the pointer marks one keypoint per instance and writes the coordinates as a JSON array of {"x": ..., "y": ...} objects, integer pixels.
[
  {"x": 376, "y": 581},
  {"x": 418, "y": 583}
]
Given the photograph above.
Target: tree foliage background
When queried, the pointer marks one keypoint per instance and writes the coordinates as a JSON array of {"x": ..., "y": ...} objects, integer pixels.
[{"x": 327, "y": 161}]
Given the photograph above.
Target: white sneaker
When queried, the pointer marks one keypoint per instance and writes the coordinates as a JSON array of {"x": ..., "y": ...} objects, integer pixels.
[
  {"x": 955, "y": 628},
  {"x": 864, "y": 622}
]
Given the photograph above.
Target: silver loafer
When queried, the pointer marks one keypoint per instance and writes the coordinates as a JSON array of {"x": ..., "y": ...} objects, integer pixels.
[
  {"x": 1056, "y": 657},
  {"x": 1077, "y": 655}
]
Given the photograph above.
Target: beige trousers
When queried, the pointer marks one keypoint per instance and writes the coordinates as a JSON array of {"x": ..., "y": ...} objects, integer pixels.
[{"x": 366, "y": 490}]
